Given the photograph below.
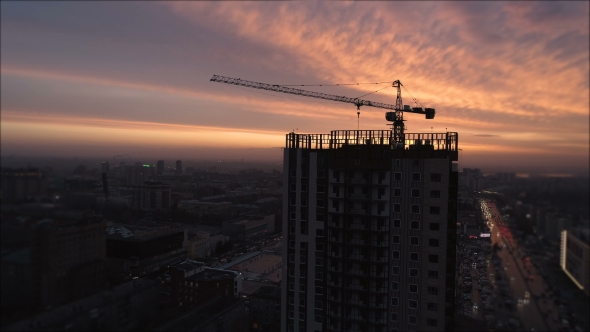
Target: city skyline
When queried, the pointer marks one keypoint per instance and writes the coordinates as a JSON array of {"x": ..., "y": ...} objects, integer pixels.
[{"x": 90, "y": 79}]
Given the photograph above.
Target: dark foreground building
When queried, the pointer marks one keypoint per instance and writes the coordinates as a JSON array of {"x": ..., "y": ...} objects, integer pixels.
[{"x": 370, "y": 232}]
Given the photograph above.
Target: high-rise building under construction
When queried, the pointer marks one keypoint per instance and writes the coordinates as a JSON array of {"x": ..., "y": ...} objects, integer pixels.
[{"x": 369, "y": 231}]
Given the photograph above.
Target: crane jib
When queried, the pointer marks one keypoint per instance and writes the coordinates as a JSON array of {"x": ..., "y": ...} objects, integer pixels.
[{"x": 358, "y": 102}]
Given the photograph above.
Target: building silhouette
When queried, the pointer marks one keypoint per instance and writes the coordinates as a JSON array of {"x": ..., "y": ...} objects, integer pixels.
[
  {"x": 370, "y": 232},
  {"x": 178, "y": 167},
  {"x": 160, "y": 167}
]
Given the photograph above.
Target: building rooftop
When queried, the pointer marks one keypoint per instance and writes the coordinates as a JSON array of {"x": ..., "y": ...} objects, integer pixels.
[
  {"x": 339, "y": 138},
  {"x": 189, "y": 265},
  {"x": 212, "y": 274},
  {"x": 139, "y": 232},
  {"x": 268, "y": 292}
]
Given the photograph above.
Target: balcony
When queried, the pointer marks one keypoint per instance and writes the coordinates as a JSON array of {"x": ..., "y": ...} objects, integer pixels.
[
  {"x": 360, "y": 273},
  {"x": 335, "y": 254},
  {"x": 334, "y": 269},
  {"x": 358, "y": 196},
  {"x": 380, "y": 243},
  {"x": 358, "y": 227},
  {"x": 361, "y": 258},
  {"x": 379, "y": 305},
  {"x": 378, "y": 275},
  {"x": 357, "y": 211},
  {"x": 336, "y": 239},
  {"x": 379, "y": 259},
  {"x": 357, "y": 181},
  {"x": 358, "y": 242}
]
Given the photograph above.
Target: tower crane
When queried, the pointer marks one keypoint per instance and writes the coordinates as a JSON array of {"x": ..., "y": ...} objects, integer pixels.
[{"x": 396, "y": 117}]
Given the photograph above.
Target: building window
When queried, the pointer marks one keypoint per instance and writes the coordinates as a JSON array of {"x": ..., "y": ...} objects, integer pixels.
[
  {"x": 395, "y": 270},
  {"x": 412, "y": 320},
  {"x": 414, "y": 273},
  {"x": 434, "y": 226},
  {"x": 394, "y": 316},
  {"x": 395, "y": 239},
  {"x": 291, "y": 286},
  {"x": 414, "y": 256},
  {"x": 303, "y": 188},
  {"x": 394, "y": 301},
  {"x": 301, "y": 302},
  {"x": 319, "y": 305},
  {"x": 303, "y": 173},
  {"x": 302, "y": 288},
  {"x": 414, "y": 224},
  {"x": 433, "y": 258},
  {"x": 335, "y": 204},
  {"x": 319, "y": 275},
  {"x": 397, "y": 223},
  {"x": 292, "y": 230},
  {"x": 415, "y": 209},
  {"x": 319, "y": 247},
  {"x": 415, "y": 193},
  {"x": 432, "y": 306},
  {"x": 397, "y": 176},
  {"x": 304, "y": 202},
  {"x": 432, "y": 274},
  {"x": 435, "y": 194},
  {"x": 397, "y": 207},
  {"x": 395, "y": 285},
  {"x": 319, "y": 261},
  {"x": 321, "y": 161},
  {"x": 320, "y": 217},
  {"x": 357, "y": 162},
  {"x": 413, "y": 288},
  {"x": 395, "y": 254},
  {"x": 413, "y": 304},
  {"x": 303, "y": 245},
  {"x": 293, "y": 201},
  {"x": 414, "y": 240},
  {"x": 293, "y": 187},
  {"x": 433, "y": 242},
  {"x": 293, "y": 173},
  {"x": 319, "y": 232},
  {"x": 319, "y": 290},
  {"x": 321, "y": 188},
  {"x": 292, "y": 244},
  {"x": 434, "y": 210},
  {"x": 415, "y": 177},
  {"x": 397, "y": 192},
  {"x": 319, "y": 318},
  {"x": 433, "y": 291},
  {"x": 435, "y": 177},
  {"x": 431, "y": 322},
  {"x": 321, "y": 174},
  {"x": 398, "y": 162},
  {"x": 301, "y": 315}
]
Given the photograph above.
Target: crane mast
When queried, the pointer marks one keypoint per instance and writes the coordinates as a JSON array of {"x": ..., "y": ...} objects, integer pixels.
[{"x": 396, "y": 117}]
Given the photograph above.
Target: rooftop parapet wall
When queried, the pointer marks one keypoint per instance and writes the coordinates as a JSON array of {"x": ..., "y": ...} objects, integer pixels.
[{"x": 448, "y": 141}]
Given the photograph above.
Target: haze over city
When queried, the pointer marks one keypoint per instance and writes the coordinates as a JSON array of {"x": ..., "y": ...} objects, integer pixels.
[{"x": 100, "y": 79}]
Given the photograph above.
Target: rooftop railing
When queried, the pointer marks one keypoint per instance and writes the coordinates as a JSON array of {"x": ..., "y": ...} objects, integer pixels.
[{"x": 339, "y": 138}]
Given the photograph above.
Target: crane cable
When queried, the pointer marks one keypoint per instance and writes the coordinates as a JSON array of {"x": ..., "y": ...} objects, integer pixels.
[
  {"x": 412, "y": 97},
  {"x": 329, "y": 84},
  {"x": 389, "y": 86}
]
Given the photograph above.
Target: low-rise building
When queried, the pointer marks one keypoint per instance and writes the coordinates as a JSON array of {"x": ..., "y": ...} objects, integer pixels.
[
  {"x": 141, "y": 249},
  {"x": 193, "y": 284},
  {"x": 249, "y": 226},
  {"x": 265, "y": 309}
]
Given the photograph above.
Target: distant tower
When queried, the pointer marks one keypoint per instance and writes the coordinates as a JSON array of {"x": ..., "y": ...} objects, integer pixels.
[
  {"x": 178, "y": 167},
  {"x": 105, "y": 167},
  {"x": 160, "y": 167}
]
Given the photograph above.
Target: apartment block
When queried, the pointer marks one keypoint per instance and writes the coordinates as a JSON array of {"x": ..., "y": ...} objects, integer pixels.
[{"x": 370, "y": 230}]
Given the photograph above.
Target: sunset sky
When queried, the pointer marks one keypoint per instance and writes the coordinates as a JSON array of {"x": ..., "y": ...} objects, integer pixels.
[{"x": 101, "y": 79}]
